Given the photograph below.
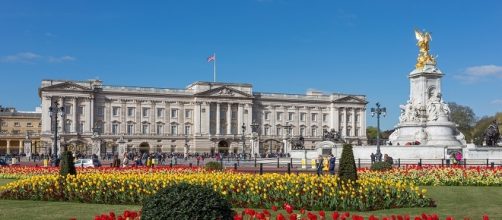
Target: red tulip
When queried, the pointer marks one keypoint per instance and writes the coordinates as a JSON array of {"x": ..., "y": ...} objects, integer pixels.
[
  {"x": 311, "y": 216},
  {"x": 485, "y": 217},
  {"x": 292, "y": 216},
  {"x": 418, "y": 218},
  {"x": 288, "y": 208},
  {"x": 280, "y": 217},
  {"x": 322, "y": 214},
  {"x": 435, "y": 216},
  {"x": 250, "y": 212},
  {"x": 274, "y": 208},
  {"x": 302, "y": 211},
  {"x": 449, "y": 218},
  {"x": 335, "y": 215},
  {"x": 238, "y": 217},
  {"x": 372, "y": 217},
  {"x": 260, "y": 216},
  {"x": 346, "y": 214}
]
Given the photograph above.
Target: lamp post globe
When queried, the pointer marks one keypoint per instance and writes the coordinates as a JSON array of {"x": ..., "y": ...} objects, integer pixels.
[{"x": 378, "y": 111}]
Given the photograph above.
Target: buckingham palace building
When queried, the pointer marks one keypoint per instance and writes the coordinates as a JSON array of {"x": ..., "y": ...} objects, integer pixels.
[{"x": 204, "y": 117}]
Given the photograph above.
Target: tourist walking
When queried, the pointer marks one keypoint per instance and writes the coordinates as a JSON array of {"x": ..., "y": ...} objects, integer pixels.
[
  {"x": 332, "y": 161},
  {"x": 319, "y": 165}
]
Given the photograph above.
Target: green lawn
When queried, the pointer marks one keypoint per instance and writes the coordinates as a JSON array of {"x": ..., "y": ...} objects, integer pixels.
[{"x": 451, "y": 200}]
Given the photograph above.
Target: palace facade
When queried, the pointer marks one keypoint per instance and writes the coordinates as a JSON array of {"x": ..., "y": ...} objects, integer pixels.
[
  {"x": 18, "y": 128},
  {"x": 203, "y": 117}
]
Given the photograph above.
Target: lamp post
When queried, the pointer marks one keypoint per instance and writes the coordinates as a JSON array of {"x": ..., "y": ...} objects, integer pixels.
[
  {"x": 378, "y": 111},
  {"x": 254, "y": 130},
  {"x": 243, "y": 139},
  {"x": 53, "y": 111}
]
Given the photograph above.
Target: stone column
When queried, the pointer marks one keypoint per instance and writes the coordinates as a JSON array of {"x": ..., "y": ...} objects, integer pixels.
[
  {"x": 240, "y": 118},
  {"x": 74, "y": 115},
  {"x": 123, "y": 116},
  {"x": 308, "y": 122},
  {"x": 207, "y": 106},
  {"x": 353, "y": 130},
  {"x": 336, "y": 119},
  {"x": 197, "y": 118},
  {"x": 153, "y": 116},
  {"x": 60, "y": 118},
  {"x": 91, "y": 113},
  {"x": 345, "y": 122},
  {"x": 363, "y": 123},
  {"x": 138, "y": 126},
  {"x": 273, "y": 119},
  {"x": 167, "y": 118},
  {"x": 218, "y": 118},
  {"x": 332, "y": 116},
  {"x": 249, "y": 118},
  {"x": 20, "y": 146},
  {"x": 46, "y": 118},
  {"x": 8, "y": 146},
  {"x": 229, "y": 118}
]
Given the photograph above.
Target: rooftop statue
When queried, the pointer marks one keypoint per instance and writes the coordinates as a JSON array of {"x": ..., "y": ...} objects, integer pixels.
[{"x": 424, "y": 57}]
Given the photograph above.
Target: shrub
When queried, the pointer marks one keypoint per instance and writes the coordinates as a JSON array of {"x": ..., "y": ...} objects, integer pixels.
[
  {"x": 347, "y": 169},
  {"x": 381, "y": 166},
  {"x": 214, "y": 165},
  {"x": 67, "y": 165},
  {"x": 185, "y": 201}
]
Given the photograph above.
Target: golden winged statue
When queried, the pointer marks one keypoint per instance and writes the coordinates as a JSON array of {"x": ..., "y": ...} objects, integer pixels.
[{"x": 423, "y": 39}]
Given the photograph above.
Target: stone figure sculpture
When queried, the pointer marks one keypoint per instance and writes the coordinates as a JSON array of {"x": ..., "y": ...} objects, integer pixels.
[
  {"x": 331, "y": 135},
  {"x": 423, "y": 39},
  {"x": 492, "y": 134},
  {"x": 298, "y": 144}
]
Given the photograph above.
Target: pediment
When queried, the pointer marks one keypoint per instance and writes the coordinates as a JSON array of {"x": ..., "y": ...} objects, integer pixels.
[
  {"x": 224, "y": 91},
  {"x": 350, "y": 99},
  {"x": 70, "y": 86}
]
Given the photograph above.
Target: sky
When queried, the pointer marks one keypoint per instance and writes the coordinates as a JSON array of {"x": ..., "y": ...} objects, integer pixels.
[{"x": 287, "y": 46}]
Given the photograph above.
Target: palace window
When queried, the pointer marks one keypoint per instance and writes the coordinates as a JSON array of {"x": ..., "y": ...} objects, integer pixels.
[
  {"x": 101, "y": 111},
  {"x": 29, "y": 124},
  {"x": 187, "y": 129},
  {"x": 302, "y": 131},
  {"x": 188, "y": 113},
  {"x": 291, "y": 116},
  {"x": 67, "y": 126},
  {"x": 146, "y": 112},
  {"x": 144, "y": 129},
  {"x": 16, "y": 124},
  {"x": 115, "y": 128},
  {"x": 174, "y": 113},
  {"x": 314, "y": 116},
  {"x": 267, "y": 130},
  {"x": 324, "y": 117},
  {"x": 67, "y": 109},
  {"x": 174, "y": 129},
  {"x": 130, "y": 111},
  {"x": 267, "y": 115},
  {"x": 81, "y": 127},
  {"x": 160, "y": 129},
  {"x": 81, "y": 110},
  {"x": 130, "y": 129},
  {"x": 279, "y": 116},
  {"x": 356, "y": 132},
  {"x": 115, "y": 111},
  {"x": 279, "y": 131},
  {"x": 160, "y": 112},
  {"x": 314, "y": 131},
  {"x": 302, "y": 116}
]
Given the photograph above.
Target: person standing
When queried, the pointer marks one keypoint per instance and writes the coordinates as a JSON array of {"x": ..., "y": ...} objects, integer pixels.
[
  {"x": 319, "y": 165},
  {"x": 332, "y": 161}
]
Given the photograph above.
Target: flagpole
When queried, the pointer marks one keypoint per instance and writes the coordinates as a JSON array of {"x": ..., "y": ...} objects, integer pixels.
[{"x": 214, "y": 68}]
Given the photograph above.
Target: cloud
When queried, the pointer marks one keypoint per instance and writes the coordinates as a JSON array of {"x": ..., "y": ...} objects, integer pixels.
[
  {"x": 24, "y": 57},
  {"x": 60, "y": 59},
  {"x": 497, "y": 102},
  {"x": 476, "y": 73},
  {"x": 31, "y": 57}
]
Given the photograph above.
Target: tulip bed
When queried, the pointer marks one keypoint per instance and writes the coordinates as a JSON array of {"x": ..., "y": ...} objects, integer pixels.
[
  {"x": 132, "y": 186},
  {"x": 441, "y": 176}
]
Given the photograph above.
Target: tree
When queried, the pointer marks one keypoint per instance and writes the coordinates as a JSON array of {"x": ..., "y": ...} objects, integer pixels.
[
  {"x": 67, "y": 165},
  {"x": 464, "y": 117},
  {"x": 371, "y": 133},
  {"x": 347, "y": 169}
]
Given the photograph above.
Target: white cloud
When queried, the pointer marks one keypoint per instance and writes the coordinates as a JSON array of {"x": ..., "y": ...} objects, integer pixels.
[
  {"x": 60, "y": 59},
  {"x": 24, "y": 57},
  {"x": 476, "y": 73},
  {"x": 497, "y": 102},
  {"x": 30, "y": 57}
]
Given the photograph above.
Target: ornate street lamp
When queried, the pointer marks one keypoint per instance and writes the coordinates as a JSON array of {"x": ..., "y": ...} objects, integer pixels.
[
  {"x": 378, "y": 111},
  {"x": 243, "y": 138},
  {"x": 53, "y": 111}
]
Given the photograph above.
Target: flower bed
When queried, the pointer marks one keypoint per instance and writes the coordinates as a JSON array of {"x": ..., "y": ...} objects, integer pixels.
[
  {"x": 242, "y": 190},
  {"x": 20, "y": 172},
  {"x": 441, "y": 176}
]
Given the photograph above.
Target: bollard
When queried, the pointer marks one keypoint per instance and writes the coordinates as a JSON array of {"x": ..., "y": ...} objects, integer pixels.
[
  {"x": 442, "y": 162},
  {"x": 289, "y": 168},
  {"x": 277, "y": 162},
  {"x": 111, "y": 164},
  {"x": 261, "y": 168},
  {"x": 420, "y": 162},
  {"x": 486, "y": 162},
  {"x": 238, "y": 162},
  {"x": 221, "y": 162},
  {"x": 465, "y": 163},
  {"x": 46, "y": 162},
  {"x": 235, "y": 166},
  {"x": 291, "y": 161},
  {"x": 399, "y": 162},
  {"x": 190, "y": 165},
  {"x": 197, "y": 162},
  {"x": 493, "y": 165},
  {"x": 255, "y": 162},
  {"x": 359, "y": 162},
  {"x": 447, "y": 162},
  {"x": 171, "y": 164},
  {"x": 304, "y": 164}
]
